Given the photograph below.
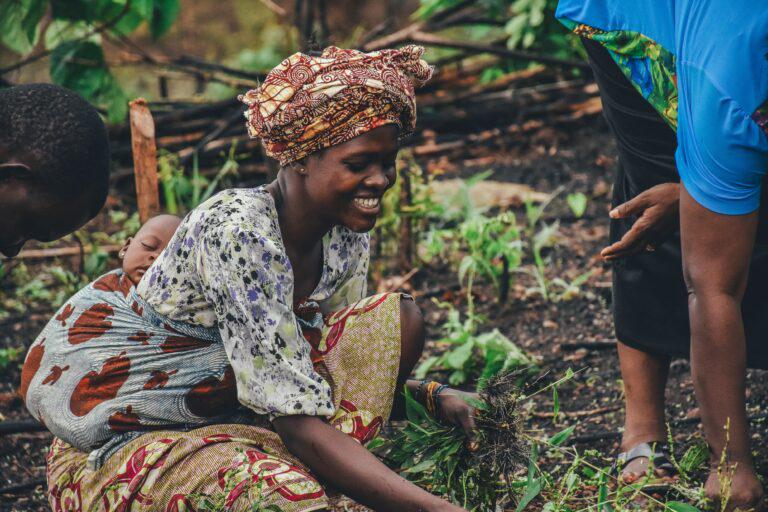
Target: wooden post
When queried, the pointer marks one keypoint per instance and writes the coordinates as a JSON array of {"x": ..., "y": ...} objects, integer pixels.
[{"x": 144, "y": 159}]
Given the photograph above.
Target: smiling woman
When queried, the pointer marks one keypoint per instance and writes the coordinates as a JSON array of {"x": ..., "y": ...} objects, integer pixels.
[{"x": 260, "y": 298}]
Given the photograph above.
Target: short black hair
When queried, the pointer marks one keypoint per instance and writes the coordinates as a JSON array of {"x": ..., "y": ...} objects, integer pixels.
[{"x": 64, "y": 133}]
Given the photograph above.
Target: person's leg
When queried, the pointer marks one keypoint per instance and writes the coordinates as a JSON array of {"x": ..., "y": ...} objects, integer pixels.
[
  {"x": 649, "y": 305},
  {"x": 645, "y": 378},
  {"x": 411, "y": 348}
]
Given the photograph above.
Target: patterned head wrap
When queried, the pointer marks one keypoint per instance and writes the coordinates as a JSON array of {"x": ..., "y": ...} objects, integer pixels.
[{"x": 309, "y": 103}]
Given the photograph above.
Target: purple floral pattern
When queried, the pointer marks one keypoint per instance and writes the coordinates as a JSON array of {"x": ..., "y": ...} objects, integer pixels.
[{"x": 227, "y": 267}]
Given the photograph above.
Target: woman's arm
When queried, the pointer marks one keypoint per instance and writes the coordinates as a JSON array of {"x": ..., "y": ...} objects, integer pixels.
[{"x": 348, "y": 467}]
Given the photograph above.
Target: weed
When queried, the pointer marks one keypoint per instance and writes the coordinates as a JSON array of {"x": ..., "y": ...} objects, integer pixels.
[
  {"x": 10, "y": 355},
  {"x": 473, "y": 356}
]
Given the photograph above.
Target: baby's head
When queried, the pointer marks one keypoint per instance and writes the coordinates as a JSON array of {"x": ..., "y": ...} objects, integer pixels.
[{"x": 139, "y": 252}]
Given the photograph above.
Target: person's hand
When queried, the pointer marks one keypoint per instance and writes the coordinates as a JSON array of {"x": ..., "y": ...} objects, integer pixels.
[
  {"x": 657, "y": 211},
  {"x": 455, "y": 409}
]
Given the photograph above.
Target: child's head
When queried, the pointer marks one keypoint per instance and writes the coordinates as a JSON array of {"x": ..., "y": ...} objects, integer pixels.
[
  {"x": 54, "y": 164},
  {"x": 139, "y": 252}
]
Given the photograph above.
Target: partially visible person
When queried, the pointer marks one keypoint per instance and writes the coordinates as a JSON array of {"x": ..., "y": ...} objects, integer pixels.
[
  {"x": 260, "y": 365},
  {"x": 684, "y": 86},
  {"x": 54, "y": 164},
  {"x": 57, "y": 381}
]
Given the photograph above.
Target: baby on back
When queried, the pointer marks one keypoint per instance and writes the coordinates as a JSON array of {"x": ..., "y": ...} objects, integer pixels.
[{"x": 100, "y": 369}]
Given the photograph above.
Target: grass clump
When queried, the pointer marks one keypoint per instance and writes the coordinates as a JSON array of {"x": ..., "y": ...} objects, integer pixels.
[{"x": 441, "y": 458}]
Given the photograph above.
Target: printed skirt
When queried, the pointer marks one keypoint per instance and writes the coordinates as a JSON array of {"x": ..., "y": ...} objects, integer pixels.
[{"x": 244, "y": 466}]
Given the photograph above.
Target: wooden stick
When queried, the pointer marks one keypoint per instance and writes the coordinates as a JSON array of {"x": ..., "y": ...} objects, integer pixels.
[
  {"x": 144, "y": 159},
  {"x": 433, "y": 40}
]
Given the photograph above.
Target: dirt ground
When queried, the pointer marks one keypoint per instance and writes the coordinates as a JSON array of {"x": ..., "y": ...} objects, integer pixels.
[{"x": 563, "y": 335}]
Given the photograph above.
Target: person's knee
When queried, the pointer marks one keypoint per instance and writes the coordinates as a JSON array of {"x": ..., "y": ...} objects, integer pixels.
[{"x": 412, "y": 331}]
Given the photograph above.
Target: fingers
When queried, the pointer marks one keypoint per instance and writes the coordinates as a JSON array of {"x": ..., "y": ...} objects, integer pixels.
[
  {"x": 634, "y": 206},
  {"x": 634, "y": 241}
]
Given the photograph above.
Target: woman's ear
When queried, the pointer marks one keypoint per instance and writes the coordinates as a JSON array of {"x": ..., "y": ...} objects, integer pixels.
[{"x": 124, "y": 248}]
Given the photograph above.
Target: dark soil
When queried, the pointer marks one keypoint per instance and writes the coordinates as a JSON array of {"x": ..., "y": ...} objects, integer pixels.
[{"x": 580, "y": 158}]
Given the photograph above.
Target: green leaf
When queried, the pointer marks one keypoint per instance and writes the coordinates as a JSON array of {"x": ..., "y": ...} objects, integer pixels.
[
  {"x": 578, "y": 203},
  {"x": 422, "y": 466},
  {"x": 20, "y": 24},
  {"x": 414, "y": 411},
  {"x": 163, "y": 16},
  {"x": 556, "y": 403},
  {"x": 458, "y": 357},
  {"x": 467, "y": 264},
  {"x": 423, "y": 368},
  {"x": 562, "y": 436},
  {"x": 64, "y": 30},
  {"x": 80, "y": 66},
  {"x": 531, "y": 491},
  {"x": 678, "y": 506}
]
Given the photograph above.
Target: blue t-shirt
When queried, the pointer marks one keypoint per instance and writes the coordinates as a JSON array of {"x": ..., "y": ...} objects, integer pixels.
[{"x": 720, "y": 50}]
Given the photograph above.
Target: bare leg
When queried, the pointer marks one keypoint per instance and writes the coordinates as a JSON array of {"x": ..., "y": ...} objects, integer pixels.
[{"x": 645, "y": 377}]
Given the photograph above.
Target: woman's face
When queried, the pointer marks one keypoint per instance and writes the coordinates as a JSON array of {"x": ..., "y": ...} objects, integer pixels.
[{"x": 346, "y": 182}]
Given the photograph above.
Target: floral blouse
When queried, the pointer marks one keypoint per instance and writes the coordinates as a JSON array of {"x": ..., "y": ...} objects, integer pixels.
[{"x": 226, "y": 267}]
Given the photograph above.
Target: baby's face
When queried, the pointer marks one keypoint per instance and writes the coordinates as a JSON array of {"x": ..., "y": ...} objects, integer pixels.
[{"x": 141, "y": 250}]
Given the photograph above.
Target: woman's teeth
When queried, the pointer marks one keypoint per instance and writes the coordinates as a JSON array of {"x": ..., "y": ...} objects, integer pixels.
[{"x": 367, "y": 202}]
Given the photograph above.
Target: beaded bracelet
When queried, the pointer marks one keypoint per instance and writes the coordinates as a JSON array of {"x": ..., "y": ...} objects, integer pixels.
[{"x": 432, "y": 401}]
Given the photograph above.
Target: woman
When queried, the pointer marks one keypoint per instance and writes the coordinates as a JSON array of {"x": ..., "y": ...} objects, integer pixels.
[
  {"x": 275, "y": 277},
  {"x": 684, "y": 87}
]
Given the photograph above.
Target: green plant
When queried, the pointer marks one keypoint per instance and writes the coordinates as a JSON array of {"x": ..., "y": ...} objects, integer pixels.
[
  {"x": 489, "y": 246},
  {"x": 470, "y": 355},
  {"x": 10, "y": 355},
  {"x": 439, "y": 457},
  {"x": 183, "y": 193},
  {"x": 578, "y": 203},
  {"x": 74, "y": 39}
]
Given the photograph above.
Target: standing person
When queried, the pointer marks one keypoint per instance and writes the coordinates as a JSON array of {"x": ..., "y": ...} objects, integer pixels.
[
  {"x": 259, "y": 300},
  {"x": 684, "y": 85},
  {"x": 54, "y": 164}
]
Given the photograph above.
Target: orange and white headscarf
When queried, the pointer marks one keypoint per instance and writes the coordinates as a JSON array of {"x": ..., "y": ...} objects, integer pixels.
[{"x": 309, "y": 103}]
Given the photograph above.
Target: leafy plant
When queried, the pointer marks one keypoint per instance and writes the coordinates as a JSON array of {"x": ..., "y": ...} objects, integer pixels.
[
  {"x": 74, "y": 38},
  {"x": 10, "y": 355},
  {"x": 578, "y": 203},
  {"x": 473, "y": 356},
  {"x": 440, "y": 458},
  {"x": 489, "y": 246},
  {"x": 183, "y": 193}
]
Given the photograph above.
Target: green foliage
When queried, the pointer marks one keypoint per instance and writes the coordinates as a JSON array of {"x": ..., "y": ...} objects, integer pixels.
[
  {"x": 529, "y": 25},
  {"x": 10, "y": 355},
  {"x": 75, "y": 35},
  {"x": 437, "y": 457},
  {"x": 578, "y": 203},
  {"x": 20, "y": 24},
  {"x": 473, "y": 356},
  {"x": 183, "y": 193}
]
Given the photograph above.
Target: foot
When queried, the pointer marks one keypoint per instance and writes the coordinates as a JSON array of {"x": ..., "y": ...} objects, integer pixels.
[
  {"x": 636, "y": 461},
  {"x": 740, "y": 486}
]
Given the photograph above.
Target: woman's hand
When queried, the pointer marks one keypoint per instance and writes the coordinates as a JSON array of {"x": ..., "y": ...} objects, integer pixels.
[
  {"x": 455, "y": 409},
  {"x": 657, "y": 212}
]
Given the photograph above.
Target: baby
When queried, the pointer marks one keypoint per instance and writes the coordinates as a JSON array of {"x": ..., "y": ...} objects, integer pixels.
[
  {"x": 139, "y": 252},
  {"x": 103, "y": 370}
]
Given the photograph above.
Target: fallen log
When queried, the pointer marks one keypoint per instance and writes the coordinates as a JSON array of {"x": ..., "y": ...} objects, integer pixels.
[
  {"x": 22, "y": 487},
  {"x": 20, "y": 427}
]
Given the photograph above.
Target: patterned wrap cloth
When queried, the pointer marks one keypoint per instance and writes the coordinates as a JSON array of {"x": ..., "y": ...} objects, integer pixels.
[
  {"x": 199, "y": 446},
  {"x": 309, "y": 103}
]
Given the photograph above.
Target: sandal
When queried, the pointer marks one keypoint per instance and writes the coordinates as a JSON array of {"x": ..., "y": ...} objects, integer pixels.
[{"x": 658, "y": 455}]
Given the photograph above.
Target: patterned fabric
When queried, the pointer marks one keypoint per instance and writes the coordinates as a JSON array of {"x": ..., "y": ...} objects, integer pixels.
[
  {"x": 309, "y": 103},
  {"x": 102, "y": 370},
  {"x": 649, "y": 66},
  {"x": 226, "y": 268},
  {"x": 235, "y": 467}
]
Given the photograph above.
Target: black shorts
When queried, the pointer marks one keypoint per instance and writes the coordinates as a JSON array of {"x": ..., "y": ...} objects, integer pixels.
[{"x": 650, "y": 301}]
